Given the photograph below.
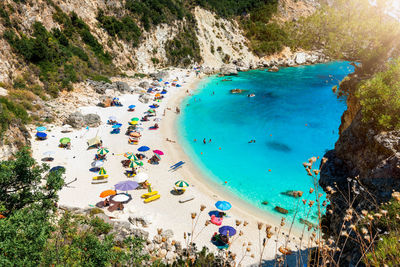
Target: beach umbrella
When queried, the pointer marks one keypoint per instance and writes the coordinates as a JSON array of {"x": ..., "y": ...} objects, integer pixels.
[
  {"x": 157, "y": 95},
  {"x": 143, "y": 148},
  {"x": 131, "y": 106},
  {"x": 116, "y": 98},
  {"x": 139, "y": 129},
  {"x": 135, "y": 134},
  {"x": 116, "y": 126},
  {"x": 130, "y": 155},
  {"x": 102, "y": 151},
  {"x": 102, "y": 171},
  {"x": 112, "y": 118},
  {"x": 157, "y": 156},
  {"x": 135, "y": 163},
  {"x": 41, "y": 129},
  {"x": 133, "y": 122},
  {"x": 166, "y": 83},
  {"x": 49, "y": 154},
  {"x": 223, "y": 205},
  {"x": 41, "y": 135},
  {"x": 152, "y": 106},
  {"x": 65, "y": 140},
  {"x": 121, "y": 198},
  {"x": 93, "y": 141},
  {"x": 151, "y": 111},
  {"x": 135, "y": 119},
  {"x": 158, "y": 152},
  {"x": 141, "y": 177},
  {"x": 97, "y": 163},
  {"x": 227, "y": 230},
  {"x": 163, "y": 92},
  {"x": 66, "y": 126},
  {"x": 57, "y": 168},
  {"x": 108, "y": 193},
  {"x": 126, "y": 185},
  {"x": 181, "y": 183}
]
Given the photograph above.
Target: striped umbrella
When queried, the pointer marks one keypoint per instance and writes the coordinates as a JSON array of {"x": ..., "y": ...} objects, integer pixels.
[
  {"x": 135, "y": 119},
  {"x": 135, "y": 163},
  {"x": 133, "y": 122},
  {"x": 102, "y": 171},
  {"x": 181, "y": 183},
  {"x": 102, "y": 151},
  {"x": 130, "y": 155}
]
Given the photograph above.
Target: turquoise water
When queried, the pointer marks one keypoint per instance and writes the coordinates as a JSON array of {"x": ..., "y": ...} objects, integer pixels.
[{"x": 294, "y": 116}]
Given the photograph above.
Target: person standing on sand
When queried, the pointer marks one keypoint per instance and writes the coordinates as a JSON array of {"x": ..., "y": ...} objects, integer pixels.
[
  {"x": 204, "y": 141},
  {"x": 209, "y": 140}
]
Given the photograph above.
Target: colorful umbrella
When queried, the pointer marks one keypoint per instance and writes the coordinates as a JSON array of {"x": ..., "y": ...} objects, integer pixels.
[
  {"x": 135, "y": 163},
  {"x": 152, "y": 106},
  {"x": 151, "y": 111},
  {"x": 223, "y": 205},
  {"x": 158, "y": 152},
  {"x": 41, "y": 135},
  {"x": 131, "y": 106},
  {"x": 157, "y": 156},
  {"x": 133, "y": 122},
  {"x": 166, "y": 83},
  {"x": 135, "y": 134},
  {"x": 108, "y": 193},
  {"x": 130, "y": 155},
  {"x": 65, "y": 140},
  {"x": 57, "y": 168},
  {"x": 135, "y": 119},
  {"x": 126, "y": 185},
  {"x": 181, "y": 183},
  {"x": 94, "y": 141},
  {"x": 112, "y": 118},
  {"x": 41, "y": 129},
  {"x": 227, "y": 230},
  {"x": 116, "y": 126},
  {"x": 102, "y": 171},
  {"x": 141, "y": 177},
  {"x": 157, "y": 95},
  {"x": 102, "y": 151},
  {"x": 143, "y": 148}
]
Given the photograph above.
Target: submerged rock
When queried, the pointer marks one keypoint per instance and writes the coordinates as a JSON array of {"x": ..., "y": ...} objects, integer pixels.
[
  {"x": 292, "y": 193},
  {"x": 308, "y": 223},
  {"x": 273, "y": 69},
  {"x": 264, "y": 203},
  {"x": 281, "y": 210}
]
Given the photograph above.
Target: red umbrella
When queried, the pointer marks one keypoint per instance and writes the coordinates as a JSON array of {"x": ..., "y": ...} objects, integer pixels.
[{"x": 158, "y": 152}]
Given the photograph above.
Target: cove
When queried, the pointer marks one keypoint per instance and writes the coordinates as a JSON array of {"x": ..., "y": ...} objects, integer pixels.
[{"x": 293, "y": 116}]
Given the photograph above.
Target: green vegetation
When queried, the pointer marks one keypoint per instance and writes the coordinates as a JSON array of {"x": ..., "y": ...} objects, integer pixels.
[
  {"x": 125, "y": 28},
  {"x": 184, "y": 49},
  {"x": 11, "y": 112},
  {"x": 155, "y": 12},
  {"x": 230, "y": 8},
  {"x": 380, "y": 98},
  {"x": 32, "y": 234}
]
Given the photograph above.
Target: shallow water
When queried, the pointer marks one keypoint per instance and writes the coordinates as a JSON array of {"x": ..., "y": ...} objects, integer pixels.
[{"x": 294, "y": 116}]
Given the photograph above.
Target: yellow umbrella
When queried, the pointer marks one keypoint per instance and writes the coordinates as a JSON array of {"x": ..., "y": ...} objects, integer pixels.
[
  {"x": 133, "y": 122},
  {"x": 93, "y": 141}
]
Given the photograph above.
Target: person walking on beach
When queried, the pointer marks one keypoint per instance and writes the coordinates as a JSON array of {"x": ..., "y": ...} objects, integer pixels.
[
  {"x": 204, "y": 141},
  {"x": 209, "y": 140}
]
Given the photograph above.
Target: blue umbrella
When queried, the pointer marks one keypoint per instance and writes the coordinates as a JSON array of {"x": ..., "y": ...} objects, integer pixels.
[
  {"x": 163, "y": 93},
  {"x": 126, "y": 185},
  {"x": 56, "y": 168},
  {"x": 131, "y": 106},
  {"x": 41, "y": 129},
  {"x": 116, "y": 98},
  {"x": 116, "y": 126},
  {"x": 41, "y": 135},
  {"x": 223, "y": 205},
  {"x": 227, "y": 230},
  {"x": 149, "y": 90},
  {"x": 143, "y": 148},
  {"x": 166, "y": 83},
  {"x": 152, "y": 106},
  {"x": 113, "y": 118},
  {"x": 178, "y": 85}
]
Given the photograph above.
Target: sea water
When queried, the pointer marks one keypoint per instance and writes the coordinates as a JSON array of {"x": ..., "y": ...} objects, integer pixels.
[{"x": 294, "y": 116}]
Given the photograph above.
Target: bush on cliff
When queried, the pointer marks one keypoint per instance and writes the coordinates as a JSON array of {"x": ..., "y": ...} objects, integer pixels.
[{"x": 380, "y": 98}]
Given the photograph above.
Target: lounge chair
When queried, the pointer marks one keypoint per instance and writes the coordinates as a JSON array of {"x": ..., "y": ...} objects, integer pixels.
[
  {"x": 186, "y": 199},
  {"x": 152, "y": 198},
  {"x": 100, "y": 179},
  {"x": 150, "y": 194},
  {"x": 177, "y": 166}
]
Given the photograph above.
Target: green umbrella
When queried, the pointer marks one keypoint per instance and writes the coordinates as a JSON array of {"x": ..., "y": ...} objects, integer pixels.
[
  {"x": 102, "y": 151},
  {"x": 151, "y": 110},
  {"x": 65, "y": 140},
  {"x": 135, "y": 163},
  {"x": 181, "y": 183},
  {"x": 130, "y": 155},
  {"x": 135, "y": 119},
  {"x": 102, "y": 171}
]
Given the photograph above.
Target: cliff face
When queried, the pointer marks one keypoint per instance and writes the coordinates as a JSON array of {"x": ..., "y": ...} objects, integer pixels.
[{"x": 364, "y": 167}]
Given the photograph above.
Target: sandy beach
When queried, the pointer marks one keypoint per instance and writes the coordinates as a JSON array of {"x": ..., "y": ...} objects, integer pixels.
[{"x": 166, "y": 212}]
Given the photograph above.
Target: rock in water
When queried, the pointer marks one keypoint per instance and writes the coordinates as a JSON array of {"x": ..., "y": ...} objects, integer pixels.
[
  {"x": 264, "y": 202},
  {"x": 308, "y": 223},
  {"x": 292, "y": 193},
  {"x": 273, "y": 69},
  {"x": 281, "y": 210}
]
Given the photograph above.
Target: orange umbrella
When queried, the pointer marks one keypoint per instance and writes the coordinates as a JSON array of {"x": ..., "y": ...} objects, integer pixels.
[
  {"x": 135, "y": 134},
  {"x": 158, "y": 95},
  {"x": 108, "y": 193}
]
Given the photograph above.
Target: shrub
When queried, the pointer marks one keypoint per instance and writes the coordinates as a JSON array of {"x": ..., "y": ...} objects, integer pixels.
[
  {"x": 11, "y": 112},
  {"x": 380, "y": 98}
]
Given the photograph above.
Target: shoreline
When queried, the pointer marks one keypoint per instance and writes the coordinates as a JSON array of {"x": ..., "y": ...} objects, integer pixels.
[{"x": 240, "y": 207}]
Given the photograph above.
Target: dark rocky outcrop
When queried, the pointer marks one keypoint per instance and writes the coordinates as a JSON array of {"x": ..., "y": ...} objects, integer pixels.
[
  {"x": 365, "y": 164},
  {"x": 281, "y": 210}
]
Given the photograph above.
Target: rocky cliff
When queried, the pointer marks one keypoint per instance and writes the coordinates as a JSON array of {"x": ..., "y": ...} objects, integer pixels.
[{"x": 363, "y": 169}]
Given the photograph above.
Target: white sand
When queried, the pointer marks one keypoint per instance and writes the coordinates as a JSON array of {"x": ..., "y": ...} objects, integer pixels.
[{"x": 166, "y": 212}]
